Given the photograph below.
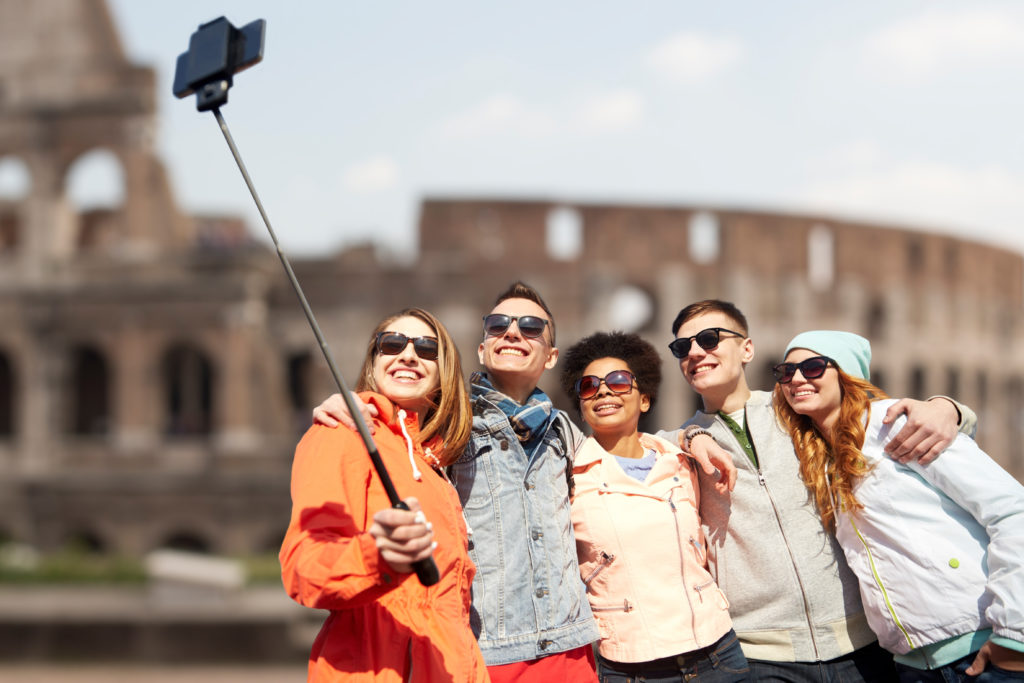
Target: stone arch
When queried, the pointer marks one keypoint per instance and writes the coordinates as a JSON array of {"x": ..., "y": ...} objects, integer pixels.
[
  {"x": 821, "y": 257},
  {"x": 917, "y": 382},
  {"x": 90, "y": 392},
  {"x": 877, "y": 323},
  {"x": 300, "y": 378},
  {"x": 188, "y": 384},
  {"x": 564, "y": 233},
  {"x": 15, "y": 178},
  {"x": 95, "y": 185},
  {"x": 8, "y": 392},
  {"x": 272, "y": 541},
  {"x": 632, "y": 308},
  {"x": 86, "y": 540},
  {"x": 15, "y": 187},
  {"x": 703, "y": 237}
]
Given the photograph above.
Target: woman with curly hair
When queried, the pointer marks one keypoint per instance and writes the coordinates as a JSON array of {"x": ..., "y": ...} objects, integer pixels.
[
  {"x": 641, "y": 550},
  {"x": 937, "y": 548}
]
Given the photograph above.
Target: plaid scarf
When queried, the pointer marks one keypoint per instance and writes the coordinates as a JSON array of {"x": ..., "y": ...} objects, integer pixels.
[{"x": 529, "y": 421}]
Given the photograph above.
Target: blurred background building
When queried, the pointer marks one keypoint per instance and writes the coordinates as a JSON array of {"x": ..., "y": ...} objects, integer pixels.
[{"x": 156, "y": 369}]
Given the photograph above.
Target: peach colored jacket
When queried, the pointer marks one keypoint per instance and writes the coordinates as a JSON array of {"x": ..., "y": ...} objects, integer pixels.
[
  {"x": 642, "y": 555},
  {"x": 382, "y": 626}
]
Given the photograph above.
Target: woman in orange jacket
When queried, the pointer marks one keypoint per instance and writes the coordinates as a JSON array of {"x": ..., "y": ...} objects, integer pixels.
[
  {"x": 347, "y": 551},
  {"x": 641, "y": 549}
]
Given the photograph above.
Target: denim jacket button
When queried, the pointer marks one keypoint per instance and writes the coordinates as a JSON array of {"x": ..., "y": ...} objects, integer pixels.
[{"x": 504, "y": 444}]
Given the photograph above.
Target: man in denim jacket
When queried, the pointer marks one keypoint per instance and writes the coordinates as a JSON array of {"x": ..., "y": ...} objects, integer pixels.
[{"x": 530, "y": 612}]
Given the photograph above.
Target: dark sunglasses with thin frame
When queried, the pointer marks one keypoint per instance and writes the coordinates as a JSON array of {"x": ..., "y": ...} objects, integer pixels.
[
  {"x": 706, "y": 339},
  {"x": 811, "y": 368},
  {"x": 617, "y": 381},
  {"x": 393, "y": 343},
  {"x": 530, "y": 326}
]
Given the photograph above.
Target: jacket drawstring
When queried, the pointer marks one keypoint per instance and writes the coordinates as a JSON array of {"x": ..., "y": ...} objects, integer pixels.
[{"x": 416, "y": 474}]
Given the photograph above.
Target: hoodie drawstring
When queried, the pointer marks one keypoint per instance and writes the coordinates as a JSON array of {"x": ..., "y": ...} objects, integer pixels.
[{"x": 416, "y": 474}]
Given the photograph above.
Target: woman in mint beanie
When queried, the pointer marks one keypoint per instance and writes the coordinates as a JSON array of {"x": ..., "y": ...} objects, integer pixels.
[{"x": 938, "y": 549}]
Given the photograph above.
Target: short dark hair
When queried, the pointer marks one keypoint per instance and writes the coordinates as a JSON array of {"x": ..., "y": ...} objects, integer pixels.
[
  {"x": 642, "y": 359},
  {"x": 711, "y": 306},
  {"x": 521, "y": 290}
]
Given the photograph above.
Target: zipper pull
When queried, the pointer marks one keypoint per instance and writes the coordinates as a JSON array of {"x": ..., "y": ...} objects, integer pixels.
[{"x": 760, "y": 478}]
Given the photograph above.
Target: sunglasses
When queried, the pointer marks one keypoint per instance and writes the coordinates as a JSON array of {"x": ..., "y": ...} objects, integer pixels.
[
  {"x": 810, "y": 368},
  {"x": 706, "y": 339},
  {"x": 393, "y": 343},
  {"x": 617, "y": 381},
  {"x": 530, "y": 326}
]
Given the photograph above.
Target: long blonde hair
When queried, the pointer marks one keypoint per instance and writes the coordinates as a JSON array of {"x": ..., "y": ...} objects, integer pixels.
[
  {"x": 830, "y": 470},
  {"x": 450, "y": 416}
]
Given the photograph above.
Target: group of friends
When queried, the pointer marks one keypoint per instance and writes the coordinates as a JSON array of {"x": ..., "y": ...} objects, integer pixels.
[{"x": 818, "y": 532}]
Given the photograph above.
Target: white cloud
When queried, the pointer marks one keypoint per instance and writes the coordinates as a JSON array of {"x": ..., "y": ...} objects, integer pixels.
[
  {"x": 613, "y": 111},
  {"x": 500, "y": 114},
  {"x": 372, "y": 175},
  {"x": 989, "y": 201},
  {"x": 690, "y": 57},
  {"x": 938, "y": 39},
  {"x": 855, "y": 154}
]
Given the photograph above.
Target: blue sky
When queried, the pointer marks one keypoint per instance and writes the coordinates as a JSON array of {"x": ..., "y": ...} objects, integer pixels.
[{"x": 909, "y": 112}]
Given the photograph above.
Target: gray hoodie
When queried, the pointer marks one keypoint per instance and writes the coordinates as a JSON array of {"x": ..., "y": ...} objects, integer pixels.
[{"x": 791, "y": 595}]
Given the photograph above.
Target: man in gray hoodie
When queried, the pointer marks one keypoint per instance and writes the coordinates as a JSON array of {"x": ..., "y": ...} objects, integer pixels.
[{"x": 795, "y": 603}]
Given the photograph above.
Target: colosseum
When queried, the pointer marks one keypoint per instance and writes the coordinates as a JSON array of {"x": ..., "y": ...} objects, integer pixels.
[{"x": 156, "y": 369}]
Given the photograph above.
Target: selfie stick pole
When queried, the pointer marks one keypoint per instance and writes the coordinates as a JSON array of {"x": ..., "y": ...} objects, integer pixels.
[
  {"x": 216, "y": 52},
  {"x": 426, "y": 570}
]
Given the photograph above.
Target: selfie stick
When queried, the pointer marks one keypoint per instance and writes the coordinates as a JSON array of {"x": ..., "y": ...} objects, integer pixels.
[{"x": 218, "y": 50}]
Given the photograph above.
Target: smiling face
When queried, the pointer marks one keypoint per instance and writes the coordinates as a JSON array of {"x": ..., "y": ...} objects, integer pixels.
[
  {"x": 717, "y": 374},
  {"x": 515, "y": 363},
  {"x": 406, "y": 379},
  {"x": 612, "y": 416},
  {"x": 818, "y": 398}
]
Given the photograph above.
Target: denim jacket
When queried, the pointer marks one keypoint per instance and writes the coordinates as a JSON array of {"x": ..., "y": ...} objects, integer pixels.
[{"x": 528, "y": 598}]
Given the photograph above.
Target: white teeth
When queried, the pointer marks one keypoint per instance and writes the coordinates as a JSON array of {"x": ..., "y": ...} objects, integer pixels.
[
  {"x": 511, "y": 352},
  {"x": 405, "y": 374},
  {"x": 701, "y": 368}
]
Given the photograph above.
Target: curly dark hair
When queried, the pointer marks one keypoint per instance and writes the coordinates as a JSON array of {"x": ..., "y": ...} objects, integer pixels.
[{"x": 641, "y": 358}]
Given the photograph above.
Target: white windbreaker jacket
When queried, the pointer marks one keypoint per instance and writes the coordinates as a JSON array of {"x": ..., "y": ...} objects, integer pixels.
[{"x": 938, "y": 549}]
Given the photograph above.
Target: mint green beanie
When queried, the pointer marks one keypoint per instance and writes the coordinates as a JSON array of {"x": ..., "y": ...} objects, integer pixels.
[{"x": 851, "y": 352}]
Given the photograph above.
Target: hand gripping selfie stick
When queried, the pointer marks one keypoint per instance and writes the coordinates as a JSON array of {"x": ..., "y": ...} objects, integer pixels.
[{"x": 217, "y": 51}]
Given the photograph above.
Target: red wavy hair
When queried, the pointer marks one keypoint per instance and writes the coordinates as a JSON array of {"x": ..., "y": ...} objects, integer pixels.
[{"x": 830, "y": 468}]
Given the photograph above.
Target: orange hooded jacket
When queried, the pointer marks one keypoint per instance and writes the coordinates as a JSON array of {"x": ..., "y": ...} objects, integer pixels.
[{"x": 382, "y": 626}]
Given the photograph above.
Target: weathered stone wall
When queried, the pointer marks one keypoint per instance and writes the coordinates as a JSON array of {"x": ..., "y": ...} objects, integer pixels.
[{"x": 156, "y": 369}]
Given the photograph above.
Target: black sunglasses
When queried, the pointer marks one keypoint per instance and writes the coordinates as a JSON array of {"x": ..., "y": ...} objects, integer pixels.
[
  {"x": 530, "y": 326},
  {"x": 393, "y": 343},
  {"x": 706, "y": 339},
  {"x": 617, "y": 381},
  {"x": 810, "y": 368}
]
